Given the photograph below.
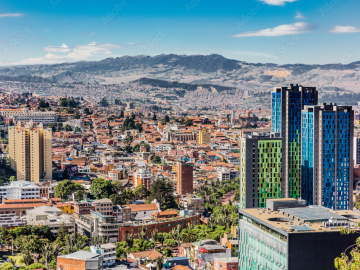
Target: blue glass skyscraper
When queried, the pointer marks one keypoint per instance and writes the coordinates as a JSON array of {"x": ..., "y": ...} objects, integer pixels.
[
  {"x": 287, "y": 103},
  {"x": 327, "y": 156}
]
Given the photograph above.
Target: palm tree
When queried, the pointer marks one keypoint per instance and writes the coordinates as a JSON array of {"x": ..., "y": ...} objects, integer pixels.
[
  {"x": 211, "y": 222},
  {"x": 143, "y": 232},
  {"x": 161, "y": 239},
  {"x": 159, "y": 263},
  {"x": 46, "y": 251},
  {"x": 28, "y": 258},
  {"x": 129, "y": 239},
  {"x": 188, "y": 237},
  {"x": 154, "y": 236}
]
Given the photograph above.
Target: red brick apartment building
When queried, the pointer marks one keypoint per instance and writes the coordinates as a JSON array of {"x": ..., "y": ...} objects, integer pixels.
[
  {"x": 185, "y": 179},
  {"x": 164, "y": 226}
]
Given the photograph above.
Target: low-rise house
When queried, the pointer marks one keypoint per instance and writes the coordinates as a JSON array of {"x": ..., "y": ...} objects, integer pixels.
[
  {"x": 231, "y": 263},
  {"x": 80, "y": 260},
  {"x": 107, "y": 251},
  {"x": 192, "y": 202},
  {"x": 143, "y": 211},
  {"x": 52, "y": 217}
]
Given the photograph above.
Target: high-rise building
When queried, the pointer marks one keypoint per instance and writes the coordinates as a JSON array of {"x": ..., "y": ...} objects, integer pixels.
[
  {"x": 184, "y": 174},
  {"x": 289, "y": 235},
  {"x": 204, "y": 137},
  {"x": 30, "y": 152},
  {"x": 287, "y": 103},
  {"x": 260, "y": 169},
  {"x": 327, "y": 156},
  {"x": 357, "y": 149}
]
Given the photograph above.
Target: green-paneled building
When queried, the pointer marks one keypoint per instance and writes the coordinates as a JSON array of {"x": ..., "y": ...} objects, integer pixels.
[{"x": 260, "y": 169}]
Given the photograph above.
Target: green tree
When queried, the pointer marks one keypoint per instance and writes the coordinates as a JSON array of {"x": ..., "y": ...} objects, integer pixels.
[
  {"x": 154, "y": 118},
  {"x": 77, "y": 115},
  {"x": 12, "y": 178},
  {"x": 162, "y": 190},
  {"x": 104, "y": 103},
  {"x": 77, "y": 129},
  {"x": 138, "y": 126},
  {"x": 101, "y": 188},
  {"x": 118, "y": 187},
  {"x": 67, "y": 127},
  {"x": 189, "y": 122},
  {"x": 87, "y": 111},
  {"x": 141, "y": 191},
  {"x": 168, "y": 252},
  {"x": 156, "y": 159},
  {"x": 159, "y": 263},
  {"x": 117, "y": 199},
  {"x": 121, "y": 114},
  {"x": 65, "y": 188}
]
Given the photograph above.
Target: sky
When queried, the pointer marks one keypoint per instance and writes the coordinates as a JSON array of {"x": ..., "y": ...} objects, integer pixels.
[{"x": 256, "y": 31}]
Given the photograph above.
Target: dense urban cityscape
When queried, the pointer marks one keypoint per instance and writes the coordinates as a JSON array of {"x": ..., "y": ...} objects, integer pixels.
[{"x": 179, "y": 135}]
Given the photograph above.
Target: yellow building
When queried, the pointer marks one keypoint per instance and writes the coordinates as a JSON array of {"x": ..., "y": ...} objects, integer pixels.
[
  {"x": 30, "y": 152},
  {"x": 67, "y": 208},
  {"x": 204, "y": 137}
]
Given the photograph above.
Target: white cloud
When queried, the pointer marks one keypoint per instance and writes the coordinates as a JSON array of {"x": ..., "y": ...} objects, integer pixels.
[
  {"x": 4, "y": 15},
  {"x": 277, "y": 2},
  {"x": 345, "y": 29},
  {"x": 92, "y": 33},
  {"x": 299, "y": 15},
  {"x": 281, "y": 30},
  {"x": 64, "y": 53}
]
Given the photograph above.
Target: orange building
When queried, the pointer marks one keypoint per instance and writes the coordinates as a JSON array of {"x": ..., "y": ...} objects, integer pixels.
[
  {"x": 80, "y": 260},
  {"x": 185, "y": 179},
  {"x": 142, "y": 177}
]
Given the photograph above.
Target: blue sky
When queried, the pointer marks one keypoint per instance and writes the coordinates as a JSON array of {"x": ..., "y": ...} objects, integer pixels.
[{"x": 276, "y": 31}]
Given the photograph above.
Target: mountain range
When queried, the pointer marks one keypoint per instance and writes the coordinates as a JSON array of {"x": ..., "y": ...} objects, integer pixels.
[{"x": 331, "y": 79}]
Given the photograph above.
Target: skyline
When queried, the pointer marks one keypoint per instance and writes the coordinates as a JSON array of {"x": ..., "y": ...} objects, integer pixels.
[{"x": 267, "y": 31}]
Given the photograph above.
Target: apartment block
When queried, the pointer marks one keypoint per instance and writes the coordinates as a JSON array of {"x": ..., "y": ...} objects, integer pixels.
[
  {"x": 289, "y": 235},
  {"x": 204, "y": 137},
  {"x": 18, "y": 190},
  {"x": 30, "y": 152},
  {"x": 260, "y": 169},
  {"x": 185, "y": 179},
  {"x": 142, "y": 177},
  {"x": 287, "y": 103},
  {"x": 192, "y": 202},
  {"x": 80, "y": 260},
  {"x": 327, "y": 156}
]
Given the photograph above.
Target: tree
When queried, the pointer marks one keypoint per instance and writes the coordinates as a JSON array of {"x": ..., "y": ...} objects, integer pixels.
[
  {"x": 156, "y": 160},
  {"x": 103, "y": 102},
  {"x": 65, "y": 188},
  {"x": 140, "y": 191},
  {"x": 138, "y": 126},
  {"x": 101, "y": 188},
  {"x": 87, "y": 111},
  {"x": 167, "y": 119},
  {"x": 77, "y": 129},
  {"x": 12, "y": 178},
  {"x": 118, "y": 187},
  {"x": 117, "y": 199},
  {"x": 161, "y": 238},
  {"x": 129, "y": 239},
  {"x": 159, "y": 263},
  {"x": 128, "y": 139},
  {"x": 121, "y": 114},
  {"x": 189, "y": 122},
  {"x": 168, "y": 252},
  {"x": 154, "y": 117},
  {"x": 162, "y": 190},
  {"x": 154, "y": 235},
  {"x": 67, "y": 127},
  {"x": 77, "y": 115}
]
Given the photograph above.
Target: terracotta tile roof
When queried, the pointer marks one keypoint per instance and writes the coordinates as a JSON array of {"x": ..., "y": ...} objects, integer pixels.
[
  {"x": 151, "y": 254},
  {"x": 142, "y": 207}
]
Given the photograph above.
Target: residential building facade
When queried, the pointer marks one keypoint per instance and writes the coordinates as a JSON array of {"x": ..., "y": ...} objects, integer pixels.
[
  {"x": 287, "y": 103},
  {"x": 260, "y": 169},
  {"x": 327, "y": 156},
  {"x": 30, "y": 152}
]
